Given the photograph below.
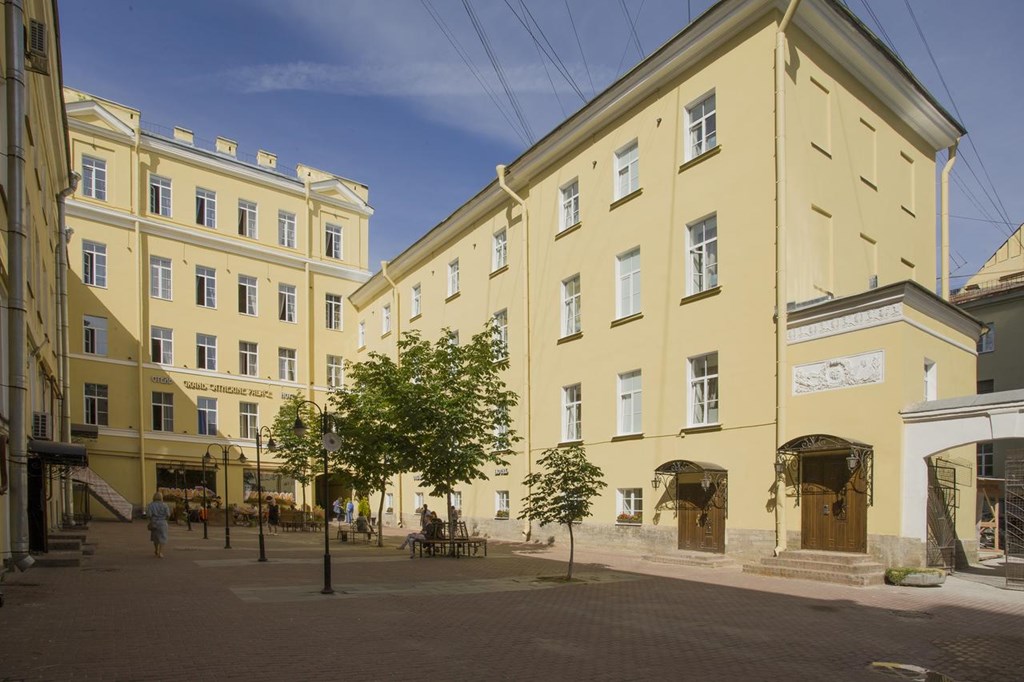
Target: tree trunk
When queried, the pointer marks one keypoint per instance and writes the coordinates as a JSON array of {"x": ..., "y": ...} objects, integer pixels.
[
  {"x": 380, "y": 518},
  {"x": 451, "y": 520},
  {"x": 572, "y": 550}
]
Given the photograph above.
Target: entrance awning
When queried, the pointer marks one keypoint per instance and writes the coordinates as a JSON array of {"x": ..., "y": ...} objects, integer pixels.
[
  {"x": 686, "y": 466},
  {"x": 715, "y": 475},
  {"x": 67, "y": 454},
  {"x": 860, "y": 458}
]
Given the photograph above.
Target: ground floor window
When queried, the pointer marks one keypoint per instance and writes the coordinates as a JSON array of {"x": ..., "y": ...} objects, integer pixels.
[
  {"x": 630, "y": 503},
  {"x": 501, "y": 504},
  {"x": 182, "y": 476},
  {"x": 417, "y": 502},
  {"x": 985, "y": 459}
]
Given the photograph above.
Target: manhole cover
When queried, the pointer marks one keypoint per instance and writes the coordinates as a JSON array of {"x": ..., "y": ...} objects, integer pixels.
[
  {"x": 912, "y": 615},
  {"x": 905, "y": 671}
]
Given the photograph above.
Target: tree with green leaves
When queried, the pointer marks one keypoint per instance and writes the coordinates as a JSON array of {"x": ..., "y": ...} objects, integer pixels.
[
  {"x": 301, "y": 458},
  {"x": 561, "y": 490}
]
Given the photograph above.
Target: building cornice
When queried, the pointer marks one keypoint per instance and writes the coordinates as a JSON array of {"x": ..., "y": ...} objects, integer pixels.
[{"x": 119, "y": 129}]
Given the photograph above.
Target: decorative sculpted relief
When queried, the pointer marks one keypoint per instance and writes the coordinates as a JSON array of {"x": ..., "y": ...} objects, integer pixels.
[
  {"x": 828, "y": 375},
  {"x": 847, "y": 323}
]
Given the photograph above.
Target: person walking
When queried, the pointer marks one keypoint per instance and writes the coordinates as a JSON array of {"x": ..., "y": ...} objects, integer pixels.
[
  {"x": 337, "y": 509},
  {"x": 158, "y": 513},
  {"x": 273, "y": 515},
  {"x": 424, "y": 516},
  {"x": 350, "y": 509}
]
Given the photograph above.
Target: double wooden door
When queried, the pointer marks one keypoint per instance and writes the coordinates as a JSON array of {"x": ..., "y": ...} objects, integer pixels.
[
  {"x": 834, "y": 511},
  {"x": 701, "y": 517}
]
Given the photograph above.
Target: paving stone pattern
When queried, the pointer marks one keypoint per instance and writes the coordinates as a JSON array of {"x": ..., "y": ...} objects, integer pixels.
[{"x": 204, "y": 612}]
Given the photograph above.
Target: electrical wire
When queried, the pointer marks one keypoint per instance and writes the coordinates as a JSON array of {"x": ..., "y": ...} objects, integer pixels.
[
  {"x": 593, "y": 90},
  {"x": 555, "y": 60},
  {"x": 618, "y": 69},
  {"x": 560, "y": 64},
  {"x": 632, "y": 27}
]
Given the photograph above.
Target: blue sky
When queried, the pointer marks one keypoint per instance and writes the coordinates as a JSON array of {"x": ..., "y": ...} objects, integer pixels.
[{"x": 374, "y": 91}]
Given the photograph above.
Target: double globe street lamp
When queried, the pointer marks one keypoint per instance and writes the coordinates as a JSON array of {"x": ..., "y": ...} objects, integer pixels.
[
  {"x": 241, "y": 460},
  {"x": 271, "y": 446},
  {"x": 330, "y": 442}
]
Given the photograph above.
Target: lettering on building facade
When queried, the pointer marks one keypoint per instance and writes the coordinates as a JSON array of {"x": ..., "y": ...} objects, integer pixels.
[{"x": 231, "y": 390}]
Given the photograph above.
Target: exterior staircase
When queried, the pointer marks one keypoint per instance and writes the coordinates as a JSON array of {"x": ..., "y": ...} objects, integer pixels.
[
  {"x": 66, "y": 549},
  {"x": 844, "y": 568},
  {"x": 688, "y": 558},
  {"x": 114, "y": 502}
]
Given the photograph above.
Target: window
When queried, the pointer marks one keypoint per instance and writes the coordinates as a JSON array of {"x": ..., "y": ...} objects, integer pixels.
[
  {"x": 389, "y": 502},
  {"x": 417, "y": 501},
  {"x": 570, "y": 205},
  {"x": 416, "y": 305},
  {"x": 159, "y": 196},
  {"x": 246, "y": 295},
  {"x": 206, "y": 351},
  {"x": 160, "y": 277},
  {"x": 572, "y": 413},
  {"x": 96, "y": 404},
  {"x": 385, "y": 319},
  {"x": 286, "y": 364},
  {"x": 286, "y": 302},
  {"x": 703, "y": 237},
  {"x": 986, "y": 386},
  {"x": 931, "y": 380},
  {"x": 457, "y": 500},
  {"x": 163, "y": 411},
  {"x": 630, "y": 403},
  {"x": 333, "y": 311},
  {"x": 362, "y": 333},
  {"x": 571, "y": 306},
  {"x": 627, "y": 170},
  {"x": 501, "y": 504},
  {"x": 453, "y": 337},
  {"x": 985, "y": 459},
  {"x": 987, "y": 341},
  {"x": 94, "y": 178},
  {"x": 499, "y": 257},
  {"x": 332, "y": 241},
  {"x": 286, "y": 229},
  {"x": 703, "y": 129},
  {"x": 206, "y": 287},
  {"x": 453, "y": 277},
  {"x": 94, "y": 264},
  {"x": 501, "y": 422},
  {"x": 161, "y": 345},
  {"x": 335, "y": 371},
  {"x": 247, "y": 218},
  {"x": 628, "y": 281},
  {"x": 248, "y": 420},
  {"x": 206, "y": 208},
  {"x": 207, "y": 416},
  {"x": 629, "y": 503},
  {"x": 704, "y": 389},
  {"x": 94, "y": 335},
  {"x": 501, "y": 334},
  {"x": 248, "y": 356}
]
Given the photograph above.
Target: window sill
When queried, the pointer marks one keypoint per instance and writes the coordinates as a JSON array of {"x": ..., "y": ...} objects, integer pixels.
[
  {"x": 869, "y": 183},
  {"x": 415, "y": 317},
  {"x": 361, "y": 348},
  {"x": 495, "y": 273},
  {"x": 453, "y": 297},
  {"x": 385, "y": 335},
  {"x": 568, "y": 230},
  {"x": 697, "y": 159},
  {"x": 700, "y": 428},
  {"x": 627, "y": 319},
  {"x": 627, "y": 436},
  {"x": 707, "y": 293},
  {"x": 629, "y": 197},
  {"x": 628, "y": 523},
  {"x": 570, "y": 337},
  {"x": 569, "y": 443},
  {"x": 501, "y": 518},
  {"x": 821, "y": 149},
  {"x": 909, "y": 212}
]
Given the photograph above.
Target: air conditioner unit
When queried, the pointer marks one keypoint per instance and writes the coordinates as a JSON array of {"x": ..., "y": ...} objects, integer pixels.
[
  {"x": 873, "y": 282},
  {"x": 41, "y": 426},
  {"x": 36, "y": 52}
]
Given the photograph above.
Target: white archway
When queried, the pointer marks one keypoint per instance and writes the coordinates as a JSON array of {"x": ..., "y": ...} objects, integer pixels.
[{"x": 933, "y": 426}]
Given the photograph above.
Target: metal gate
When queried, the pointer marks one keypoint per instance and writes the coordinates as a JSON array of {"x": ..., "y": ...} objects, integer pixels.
[
  {"x": 943, "y": 500},
  {"x": 1014, "y": 517}
]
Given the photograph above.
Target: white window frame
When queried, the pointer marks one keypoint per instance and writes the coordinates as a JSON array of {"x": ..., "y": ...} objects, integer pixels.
[
  {"x": 572, "y": 321},
  {"x": 629, "y": 501},
  {"x": 160, "y": 196},
  {"x": 161, "y": 275},
  {"x": 630, "y": 402},
  {"x": 985, "y": 460},
  {"x": 501, "y": 332},
  {"x": 206, "y": 352},
  {"x": 628, "y": 291},
  {"x": 699, "y": 118},
  {"x": 572, "y": 413},
  {"x": 248, "y": 358},
  {"x": 287, "y": 303},
  {"x": 362, "y": 333},
  {"x": 333, "y": 244},
  {"x": 703, "y": 385},
  {"x": 987, "y": 341},
  {"x": 335, "y": 371},
  {"x": 286, "y": 229},
  {"x": 569, "y": 195},
  {"x": 287, "y": 364},
  {"x": 94, "y": 335},
  {"x": 457, "y": 500},
  {"x": 417, "y": 501},
  {"x": 94, "y": 177},
  {"x": 161, "y": 345},
  {"x": 389, "y": 503},
  {"x": 499, "y": 249},
  {"x": 206, "y": 208},
  {"x": 453, "y": 277},
  {"x": 501, "y": 503},
  {"x": 333, "y": 307},
  {"x": 162, "y": 405},
  {"x": 206, "y": 407},
  {"x": 702, "y": 250},
  {"x": 206, "y": 286},
  {"x": 94, "y": 264},
  {"x": 627, "y": 169},
  {"x": 248, "y": 295},
  {"x": 385, "y": 319},
  {"x": 248, "y": 420},
  {"x": 248, "y": 219},
  {"x": 96, "y": 404},
  {"x": 416, "y": 302}
]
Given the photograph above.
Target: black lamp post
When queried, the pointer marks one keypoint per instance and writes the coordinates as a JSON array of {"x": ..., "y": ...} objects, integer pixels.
[
  {"x": 227, "y": 516},
  {"x": 271, "y": 445},
  {"x": 184, "y": 493},
  {"x": 206, "y": 508},
  {"x": 330, "y": 442}
]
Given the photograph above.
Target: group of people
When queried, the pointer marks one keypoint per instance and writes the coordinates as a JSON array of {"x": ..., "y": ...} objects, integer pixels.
[{"x": 431, "y": 528}]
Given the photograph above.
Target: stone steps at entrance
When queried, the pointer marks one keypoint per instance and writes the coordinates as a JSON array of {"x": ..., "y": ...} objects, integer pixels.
[
  {"x": 62, "y": 545},
  {"x": 844, "y": 568},
  {"x": 698, "y": 559},
  {"x": 59, "y": 559}
]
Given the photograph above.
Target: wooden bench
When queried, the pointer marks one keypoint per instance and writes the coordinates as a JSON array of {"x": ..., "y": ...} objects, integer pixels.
[
  {"x": 349, "y": 530},
  {"x": 460, "y": 545}
]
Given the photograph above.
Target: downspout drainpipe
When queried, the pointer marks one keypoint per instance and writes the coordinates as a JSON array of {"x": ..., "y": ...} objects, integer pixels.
[
  {"x": 62, "y": 327},
  {"x": 527, "y": 354},
  {"x": 945, "y": 217},
  {"x": 17, "y": 312},
  {"x": 398, "y": 359},
  {"x": 781, "y": 295}
]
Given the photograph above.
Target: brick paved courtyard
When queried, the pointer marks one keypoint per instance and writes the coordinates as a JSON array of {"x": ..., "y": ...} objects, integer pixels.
[{"x": 204, "y": 612}]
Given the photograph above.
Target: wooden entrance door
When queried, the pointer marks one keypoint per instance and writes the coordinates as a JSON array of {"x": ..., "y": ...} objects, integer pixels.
[
  {"x": 701, "y": 518},
  {"x": 834, "y": 506}
]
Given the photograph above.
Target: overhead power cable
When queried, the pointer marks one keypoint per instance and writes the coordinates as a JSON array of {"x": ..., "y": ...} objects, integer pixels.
[
  {"x": 549, "y": 51},
  {"x": 629, "y": 40},
  {"x": 632, "y": 27},
  {"x": 560, "y": 64},
  {"x": 593, "y": 90}
]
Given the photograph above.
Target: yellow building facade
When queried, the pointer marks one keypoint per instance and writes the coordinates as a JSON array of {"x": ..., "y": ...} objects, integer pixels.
[
  {"x": 206, "y": 288},
  {"x": 635, "y": 259}
]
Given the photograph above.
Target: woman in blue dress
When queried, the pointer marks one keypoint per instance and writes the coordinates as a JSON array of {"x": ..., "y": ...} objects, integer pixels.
[{"x": 158, "y": 513}]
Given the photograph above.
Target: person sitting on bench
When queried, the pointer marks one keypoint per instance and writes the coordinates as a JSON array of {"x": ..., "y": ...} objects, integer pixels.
[{"x": 363, "y": 525}]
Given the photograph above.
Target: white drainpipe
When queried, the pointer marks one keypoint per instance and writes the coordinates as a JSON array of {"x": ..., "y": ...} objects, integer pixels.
[
  {"x": 945, "y": 218},
  {"x": 397, "y": 319},
  {"x": 62, "y": 331}
]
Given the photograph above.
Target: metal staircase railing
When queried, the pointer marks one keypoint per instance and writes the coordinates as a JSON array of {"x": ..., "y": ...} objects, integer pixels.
[{"x": 104, "y": 493}]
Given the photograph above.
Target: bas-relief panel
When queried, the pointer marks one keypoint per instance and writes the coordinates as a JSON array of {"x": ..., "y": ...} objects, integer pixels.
[{"x": 835, "y": 373}]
